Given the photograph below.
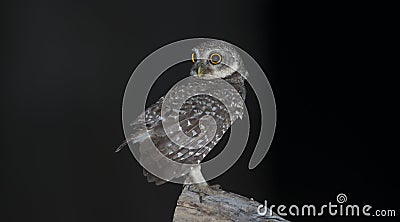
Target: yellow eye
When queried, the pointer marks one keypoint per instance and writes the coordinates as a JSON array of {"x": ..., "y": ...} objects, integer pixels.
[
  {"x": 215, "y": 58},
  {"x": 193, "y": 57}
]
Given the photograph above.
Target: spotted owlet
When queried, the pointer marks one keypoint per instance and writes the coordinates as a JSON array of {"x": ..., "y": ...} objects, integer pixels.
[{"x": 211, "y": 60}]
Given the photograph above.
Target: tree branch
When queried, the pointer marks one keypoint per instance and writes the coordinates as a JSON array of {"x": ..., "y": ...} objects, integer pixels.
[{"x": 225, "y": 207}]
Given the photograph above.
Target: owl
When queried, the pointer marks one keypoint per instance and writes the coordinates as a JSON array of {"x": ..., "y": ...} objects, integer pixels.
[{"x": 212, "y": 61}]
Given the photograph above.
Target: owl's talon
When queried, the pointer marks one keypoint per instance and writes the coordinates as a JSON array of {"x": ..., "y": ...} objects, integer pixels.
[{"x": 216, "y": 187}]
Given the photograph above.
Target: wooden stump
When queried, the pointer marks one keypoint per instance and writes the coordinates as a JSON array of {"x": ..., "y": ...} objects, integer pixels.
[{"x": 225, "y": 207}]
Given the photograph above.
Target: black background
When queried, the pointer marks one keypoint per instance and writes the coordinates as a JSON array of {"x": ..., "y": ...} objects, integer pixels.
[{"x": 65, "y": 66}]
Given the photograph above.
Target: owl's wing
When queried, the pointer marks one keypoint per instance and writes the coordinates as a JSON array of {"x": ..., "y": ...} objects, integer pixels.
[
  {"x": 148, "y": 129},
  {"x": 189, "y": 116},
  {"x": 147, "y": 121}
]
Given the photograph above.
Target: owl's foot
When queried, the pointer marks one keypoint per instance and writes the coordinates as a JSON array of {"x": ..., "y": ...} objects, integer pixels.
[
  {"x": 215, "y": 187},
  {"x": 204, "y": 189}
]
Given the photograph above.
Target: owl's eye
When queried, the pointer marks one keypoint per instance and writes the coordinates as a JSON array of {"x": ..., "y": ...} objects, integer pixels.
[
  {"x": 215, "y": 58},
  {"x": 193, "y": 57}
]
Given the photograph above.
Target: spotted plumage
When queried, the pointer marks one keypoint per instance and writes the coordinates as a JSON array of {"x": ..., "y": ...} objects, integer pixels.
[{"x": 149, "y": 125}]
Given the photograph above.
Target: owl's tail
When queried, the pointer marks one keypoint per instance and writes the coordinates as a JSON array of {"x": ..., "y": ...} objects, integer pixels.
[
  {"x": 123, "y": 144},
  {"x": 139, "y": 137},
  {"x": 152, "y": 178}
]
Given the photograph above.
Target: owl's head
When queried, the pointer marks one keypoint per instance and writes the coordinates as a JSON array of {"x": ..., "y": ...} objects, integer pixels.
[{"x": 216, "y": 59}]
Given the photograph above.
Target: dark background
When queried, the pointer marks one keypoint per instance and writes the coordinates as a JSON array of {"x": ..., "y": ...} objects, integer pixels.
[{"x": 65, "y": 66}]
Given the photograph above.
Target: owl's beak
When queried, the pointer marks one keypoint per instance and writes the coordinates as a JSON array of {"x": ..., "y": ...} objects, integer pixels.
[{"x": 200, "y": 71}]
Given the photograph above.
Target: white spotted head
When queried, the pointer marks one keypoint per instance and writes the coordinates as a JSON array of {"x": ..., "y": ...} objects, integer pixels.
[{"x": 216, "y": 59}]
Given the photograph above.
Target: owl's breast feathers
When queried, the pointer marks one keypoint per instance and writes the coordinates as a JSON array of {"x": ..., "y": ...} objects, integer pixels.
[{"x": 189, "y": 115}]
